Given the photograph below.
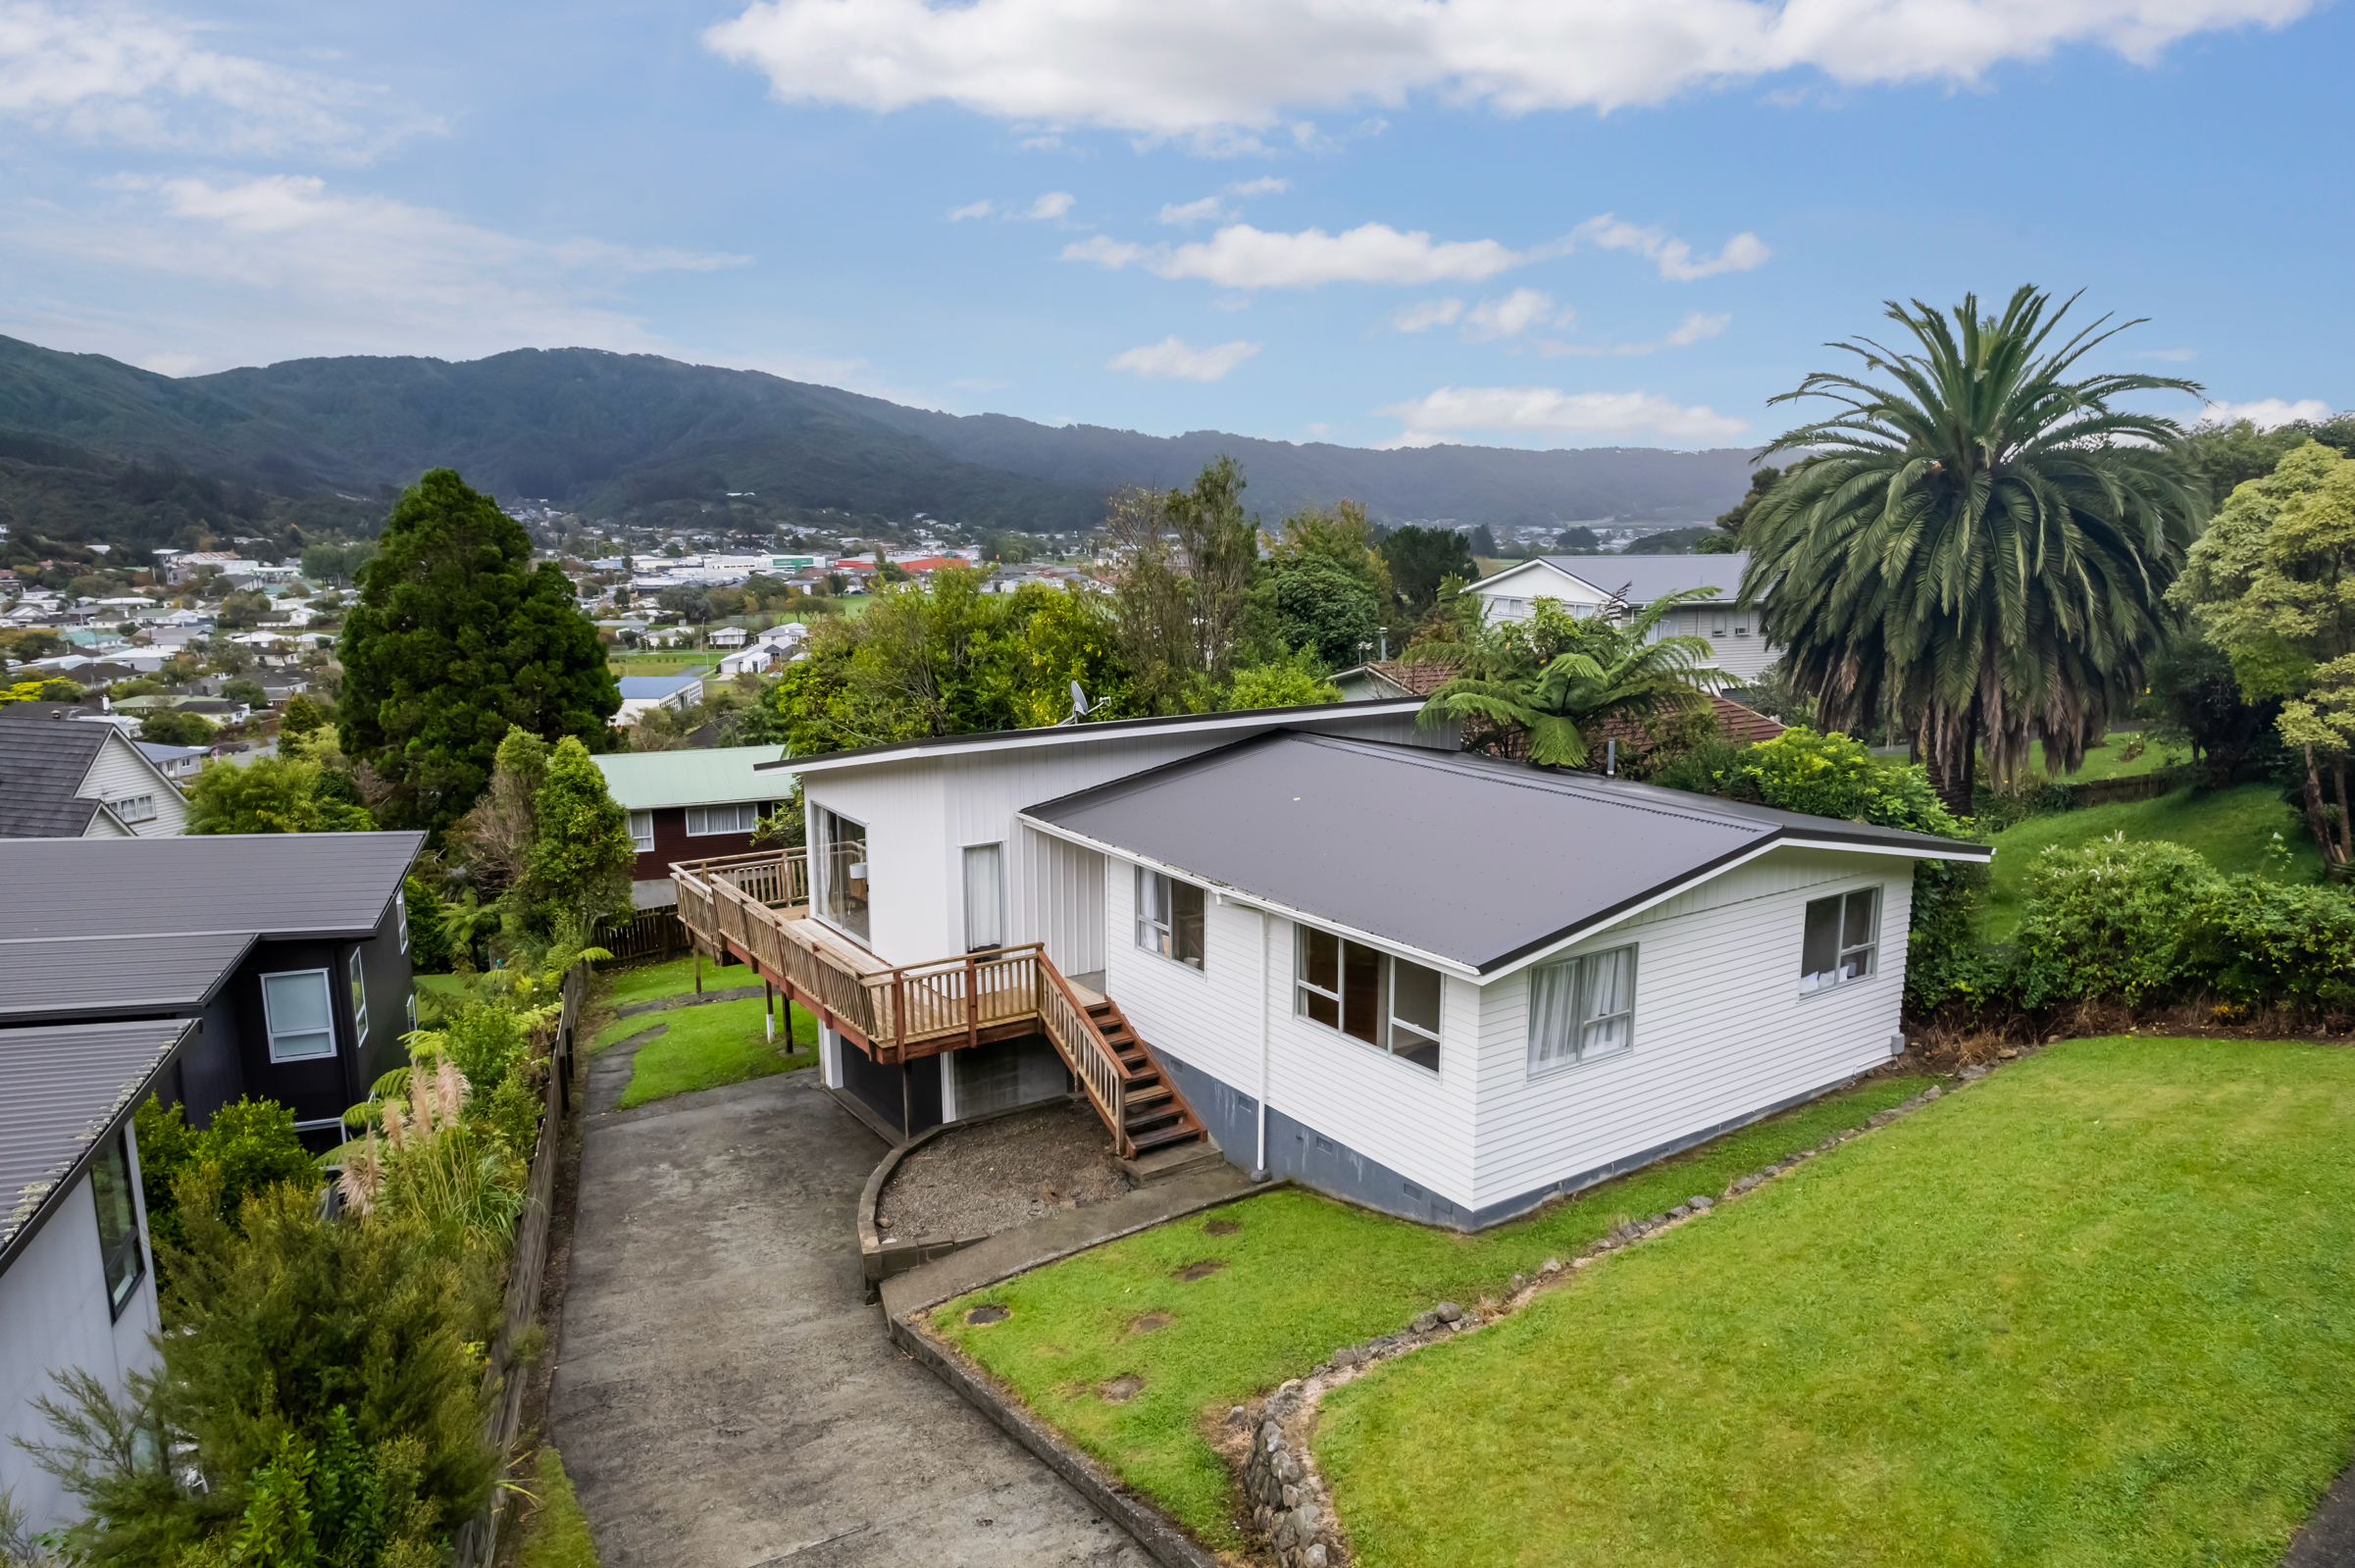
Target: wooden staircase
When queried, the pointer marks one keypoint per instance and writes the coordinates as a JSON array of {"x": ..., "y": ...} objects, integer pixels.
[{"x": 1156, "y": 1116}]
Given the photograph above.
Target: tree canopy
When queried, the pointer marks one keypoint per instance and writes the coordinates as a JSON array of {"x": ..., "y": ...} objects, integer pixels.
[
  {"x": 457, "y": 638},
  {"x": 1975, "y": 553}
]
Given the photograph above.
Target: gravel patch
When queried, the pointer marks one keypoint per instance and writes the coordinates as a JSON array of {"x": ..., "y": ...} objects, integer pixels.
[{"x": 976, "y": 1181}]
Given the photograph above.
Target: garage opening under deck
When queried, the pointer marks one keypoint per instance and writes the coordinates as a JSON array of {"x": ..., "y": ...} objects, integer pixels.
[{"x": 756, "y": 909}]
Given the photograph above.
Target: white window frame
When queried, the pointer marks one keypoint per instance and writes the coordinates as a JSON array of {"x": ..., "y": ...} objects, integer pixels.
[
  {"x": 270, "y": 1027},
  {"x": 824, "y": 833},
  {"x": 1582, "y": 968},
  {"x": 750, "y": 810},
  {"x": 134, "y": 808},
  {"x": 641, "y": 841},
  {"x": 966, "y": 864},
  {"x": 1386, "y": 1022},
  {"x": 1717, "y": 620},
  {"x": 1165, "y": 928},
  {"x": 359, "y": 1000},
  {"x": 1843, "y": 950},
  {"x": 400, "y": 912}
]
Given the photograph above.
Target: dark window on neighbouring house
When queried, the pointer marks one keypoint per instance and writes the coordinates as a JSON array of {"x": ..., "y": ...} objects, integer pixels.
[
  {"x": 641, "y": 832},
  {"x": 1390, "y": 1004},
  {"x": 1841, "y": 941},
  {"x": 705, "y": 820},
  {"x": 1169, "y": 917},
  {"x": 118, "y": 1223},
  {"x": 359, "y": 1001}
]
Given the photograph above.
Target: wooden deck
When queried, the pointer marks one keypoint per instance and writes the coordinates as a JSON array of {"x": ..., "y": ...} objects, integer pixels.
[{"x": 756, "y": 909}]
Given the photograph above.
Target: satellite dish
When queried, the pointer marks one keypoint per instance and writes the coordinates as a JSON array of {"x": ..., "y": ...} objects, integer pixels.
[{"x": 1079, "y": 704}]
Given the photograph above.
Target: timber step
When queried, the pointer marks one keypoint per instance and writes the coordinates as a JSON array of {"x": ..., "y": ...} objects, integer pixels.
[{"x": 1155, "y": 1117}]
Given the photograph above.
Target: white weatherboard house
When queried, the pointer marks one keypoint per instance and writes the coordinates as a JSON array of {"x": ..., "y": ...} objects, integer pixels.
[
  {"x": 1442, "y": 985},
  {"x": 76, "y": 1285},
  {"x": 1587, "y": 585}
]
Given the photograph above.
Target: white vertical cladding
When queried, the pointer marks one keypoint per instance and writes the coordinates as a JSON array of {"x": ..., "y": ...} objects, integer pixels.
[
  {"x": 1721, "y": 1030},
  {"x": 1417, "y": 1122},
  {"x": 53, "y": 1303},
  {"x": 1060, "y": 902}
]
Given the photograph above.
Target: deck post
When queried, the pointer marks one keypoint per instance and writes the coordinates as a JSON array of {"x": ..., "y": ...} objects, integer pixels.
[
  {"x": 699, "y": 969},
  {"x": 972, "y": 1004}
]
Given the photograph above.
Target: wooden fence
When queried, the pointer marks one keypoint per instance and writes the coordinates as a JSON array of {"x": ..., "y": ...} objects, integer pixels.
[
  {"x": 2135, "y": 787},
  {"x": 649, "y": 934},
  {"x": 502, "y": 1379}
]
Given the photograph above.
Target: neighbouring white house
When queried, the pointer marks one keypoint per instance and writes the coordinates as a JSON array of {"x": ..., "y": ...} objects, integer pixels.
[
  {"x": 90, "y": 780},
  {"x": 77, "y": 1283},
  {"x": 727, "y": 637},
  {"x": 1587, "y": 585},
  {"x": 643, "y": 693},
  {"x": 1325, "y": 944}
]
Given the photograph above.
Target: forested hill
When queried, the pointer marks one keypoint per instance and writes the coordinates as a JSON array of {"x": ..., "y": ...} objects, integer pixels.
[{"x": 90, "y": 447}]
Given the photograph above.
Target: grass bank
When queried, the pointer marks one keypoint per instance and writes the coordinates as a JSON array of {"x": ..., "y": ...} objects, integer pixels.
[
  {"x": 707, "y": 1046},
  {"x": 2092, "y": 1311},
  {"x": 1297, "y": 1277},
  {"x": 2232, "y": 827}
]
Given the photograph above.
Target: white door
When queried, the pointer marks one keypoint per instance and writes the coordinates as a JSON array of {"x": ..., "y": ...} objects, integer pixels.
[{"x": 985, "y": 896}]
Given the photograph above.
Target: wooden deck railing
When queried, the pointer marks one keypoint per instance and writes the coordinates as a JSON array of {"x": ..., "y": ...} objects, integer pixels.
[{"x": 757, "y": 908}]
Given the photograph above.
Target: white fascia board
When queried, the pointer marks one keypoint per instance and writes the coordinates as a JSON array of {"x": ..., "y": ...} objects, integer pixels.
[
  {"x": 1235, "y": 895},
  {"x": 1073, "y": 735},
  {"x": 1485, "y": 584},
  {"x": 1685, "y": 884}
]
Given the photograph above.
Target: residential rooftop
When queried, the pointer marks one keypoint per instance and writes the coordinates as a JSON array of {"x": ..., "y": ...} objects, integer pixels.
[
  {"x": 61, "y": 1089},
  {"x": 642, "y": 780},
  {"x": 327, "y": 885}
]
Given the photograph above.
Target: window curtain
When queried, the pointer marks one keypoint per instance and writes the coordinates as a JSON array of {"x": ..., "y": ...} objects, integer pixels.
[
  {"x": 1608, "y": 997},
  {"x": 1552, "y": 1016}
]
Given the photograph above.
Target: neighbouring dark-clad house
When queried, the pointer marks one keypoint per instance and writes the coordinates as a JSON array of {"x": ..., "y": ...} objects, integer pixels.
[
  {"x": 690, "y": 805},
  {"x": 292, "y": 949}
]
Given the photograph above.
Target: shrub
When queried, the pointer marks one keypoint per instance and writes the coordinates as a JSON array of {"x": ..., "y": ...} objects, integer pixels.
[
  {"x": 429, "y": 944},
  {"x": 251, "y": 1145},
  {"x": 2112, "y": 919},
  {"x": 2255, "y": 940}
]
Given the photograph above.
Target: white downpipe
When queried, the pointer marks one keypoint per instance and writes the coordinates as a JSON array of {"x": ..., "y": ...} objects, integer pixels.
[{"x": 1260, "y": 1166}]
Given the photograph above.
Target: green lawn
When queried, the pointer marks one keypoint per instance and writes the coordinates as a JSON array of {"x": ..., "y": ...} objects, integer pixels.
[
  {"x": 645, "y": 983},
  {"x": 706, "y": 1046},
  {"x": 2231, "y": 827},
  {"x": 1302, "y": 1276},
  {"x": 2109, "y": 760},
  {"x": 2094, "y": 1311}
]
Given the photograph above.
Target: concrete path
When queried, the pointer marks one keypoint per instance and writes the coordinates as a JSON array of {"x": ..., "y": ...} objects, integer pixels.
[{"x": 722, "y": 1397}]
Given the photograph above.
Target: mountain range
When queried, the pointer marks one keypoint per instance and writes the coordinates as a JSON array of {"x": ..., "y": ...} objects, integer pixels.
[{"x": 94, "y": 449}]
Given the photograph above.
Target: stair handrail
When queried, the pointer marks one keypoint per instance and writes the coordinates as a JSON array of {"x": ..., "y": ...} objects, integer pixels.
[{"x": 1101, "y": 1072}]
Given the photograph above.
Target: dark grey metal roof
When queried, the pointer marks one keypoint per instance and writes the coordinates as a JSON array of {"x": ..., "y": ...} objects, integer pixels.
[
  {"x": 41, "y": 770},
  {"x": 1464, "y": 857},
  {"x": 278, "y": 885},
  {"x": 68, "y": 977},
  {"x": 62, "y": 1090}
]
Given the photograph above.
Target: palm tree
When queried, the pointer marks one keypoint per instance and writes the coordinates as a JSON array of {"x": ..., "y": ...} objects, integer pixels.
[
  {"x": 1561, "y": 679},
  {"x": 1977, "y": 553}
]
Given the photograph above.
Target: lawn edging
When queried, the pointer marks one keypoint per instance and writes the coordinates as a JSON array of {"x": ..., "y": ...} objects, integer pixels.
[{"x": 1159, "y": 1535}]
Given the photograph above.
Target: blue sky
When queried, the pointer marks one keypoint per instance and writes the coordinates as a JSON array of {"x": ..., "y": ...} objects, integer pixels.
[{"x": 1558, "y": 223}]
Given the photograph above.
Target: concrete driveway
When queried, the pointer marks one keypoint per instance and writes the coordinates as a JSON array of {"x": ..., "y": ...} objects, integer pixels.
[{"x": 722, "y": 1398}]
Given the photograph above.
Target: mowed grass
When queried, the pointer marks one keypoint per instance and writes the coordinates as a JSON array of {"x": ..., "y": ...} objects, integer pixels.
[
  {"x": 651, "y": 982},
  {"x": 1302, "y": 1276},
  {"x": 2232, "y": 827},
  {"x": 708, "y": 1045},
  {"x": 2093, "y": 1311},
  {"x": 2109, "y": 760}
]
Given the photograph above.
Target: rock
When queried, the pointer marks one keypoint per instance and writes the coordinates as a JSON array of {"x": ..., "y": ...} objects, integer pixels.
[
  {"x": 1348, "y": 1355},
  {"x": 1971, "y": 1075},
  {"x": 1315, "y": 1556},
  {"x": 1464, "y": 1325},
  {"x": 1447, "y": 1311},
  {"x": 1550, "y": 1266},
  {"x": 1678, "y": 1212},
  {"x": 1305, "y": 1519},
  {"x": 1290, "y": 1497},
  {"x": 1933, "y": 1092},
  {"x": 1697, "y": 1204},
  {"x": 1519, "y": 1280},
  {"x": 1425, "y": 1322},
  {"x": 2007, "y": 1053},
  {"x": 1288, "y": 1385},
  {"x": 1287, "y": 1533},
  {"x": 1743, "y": 1184},
  {"x": 1235, "y": 1416},
  {"x": 1287, "y": 1469}
]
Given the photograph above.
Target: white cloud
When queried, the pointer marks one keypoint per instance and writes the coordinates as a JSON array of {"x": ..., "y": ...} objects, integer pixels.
[
  {"x": 108, "y": 74},
  {"x": 1239, "y": 256},
  {"x": 1513, "y": 315},
  {"x": 971, "y": 209},
  {"x": 1694, "y": 326},
  {"x": 1193, "y": 211},
  {"x": 1171, "y": 357},
  {"x": 1550, "y": 411},
  {"x": 2265, "y": 412},
  {"x": 1054, "y": 204},
  {"x": 1673, "y": 257},
  {"x": 1264, "y": 185},
  {"x": 288, "y": 259},
  {"x": 2174, "y": 356},
  {"x": 1423, "y": 315},
  {"x": 1137, "y": 64}
]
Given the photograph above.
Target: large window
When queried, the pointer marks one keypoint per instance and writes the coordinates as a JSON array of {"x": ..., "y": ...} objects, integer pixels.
[
  {"x": 1169, "y": 917},
  {"x": 641, "y": 832},
  {"x": 299, "y": 1011},
  {"x": 359, "y": 1000},
  {"x": 1581, "y": 1009},
  {"x": 705, "y": 820},
  {"x": 1387, "y": 1002},
  {"x": 118, "y": 1223},
  {"x": 1842, "y": 939},
  {"x": 841, "y": 864}
]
